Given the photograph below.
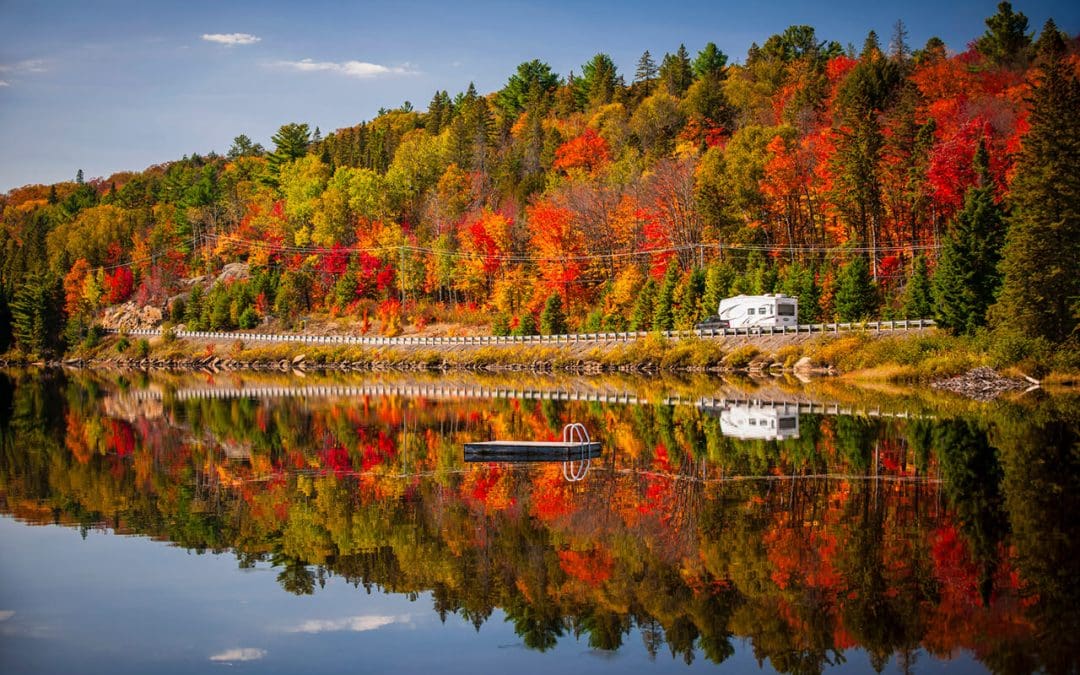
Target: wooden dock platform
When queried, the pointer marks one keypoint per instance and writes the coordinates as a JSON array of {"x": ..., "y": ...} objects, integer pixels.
[{"x": 531, "y": 451}]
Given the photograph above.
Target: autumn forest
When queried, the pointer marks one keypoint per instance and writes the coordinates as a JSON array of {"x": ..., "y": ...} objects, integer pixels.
[
  {"x": 882, "y": 180},
  {"x": 295, "y": 497}
]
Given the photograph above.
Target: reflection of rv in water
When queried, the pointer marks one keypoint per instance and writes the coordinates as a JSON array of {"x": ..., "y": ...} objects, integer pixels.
[
  {"x": 767, "y": 423},
  {"x": 759, "y": 310}
]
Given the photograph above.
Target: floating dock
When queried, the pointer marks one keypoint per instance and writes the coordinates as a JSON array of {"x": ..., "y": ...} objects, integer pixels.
[
  {"x": 575, "y": 446},
  {"x": 531, "y": 451}
]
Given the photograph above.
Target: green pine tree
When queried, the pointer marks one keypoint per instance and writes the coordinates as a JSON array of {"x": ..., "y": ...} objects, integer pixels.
[
  {"x": 533, "y": 82},
  {"x": 1040, "y": 292},
  {"x": 249, "y": 318},
  {"x": 688, "y": 296},
  {"x": 918, "y": 296},
  {"x": 526, "y": 325},
  {"x": 663, "y": 311},
  {"x": 967, "y": 279},
  {"x": 500, "y": 324},
  {"x": 193, "y": 308},
  {"x": 641, "y": 313},
  {"x": 759, "y": 277},
  {"x": 800, "y": 282},
  {"x": 676, "y": 73},
  {"x": 553, "y": 318},
  {"x": 1006, "y": 41},
  {"x": 291, "y": 143},
  {"x": 5, "y": 321},
  {"x": 718, "y": 280},
  {"x": 598, "y": 82},
  {"x": 856, "y": 296},
  {"x": 646, "y": 70},
  {"x": 36, "y": 322},
  {"x": 294, "y": 295},
  {"x": 710, "y": 61}
]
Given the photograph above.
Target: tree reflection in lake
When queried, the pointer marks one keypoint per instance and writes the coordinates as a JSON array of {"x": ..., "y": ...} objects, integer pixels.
[{"x": 882, "y": 534}]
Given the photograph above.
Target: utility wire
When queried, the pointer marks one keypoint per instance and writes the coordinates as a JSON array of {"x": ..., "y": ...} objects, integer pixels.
[
  {"x": 519, "y": 258},
  {"x": 318, "y": 250}
]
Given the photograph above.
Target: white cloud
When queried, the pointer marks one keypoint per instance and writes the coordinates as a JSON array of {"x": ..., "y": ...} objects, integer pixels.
[
  {"x": 231, "y": 39},
  {"x": 4, "y": 84},
  {"x": 25, "y": 66},
  {"x": 241, "y": 654},
  {"x": 28, "y": 65},
  {"x": 355, "y": 624},
  {"x": 26, "y": 628},
  {"x": 358, "y": 69}
]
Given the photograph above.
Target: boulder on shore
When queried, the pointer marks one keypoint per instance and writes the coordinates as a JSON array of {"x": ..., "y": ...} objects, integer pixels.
[
  {"x": 233, "y": 272},
  {"x": 129, "y": 316}
]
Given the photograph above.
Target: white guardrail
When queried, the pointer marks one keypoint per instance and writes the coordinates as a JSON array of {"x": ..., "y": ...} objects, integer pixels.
[{"x": 878, "y": 326}]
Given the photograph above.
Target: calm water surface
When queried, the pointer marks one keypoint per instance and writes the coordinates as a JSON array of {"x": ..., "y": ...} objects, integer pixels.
[{"x": 317, "y": 524}]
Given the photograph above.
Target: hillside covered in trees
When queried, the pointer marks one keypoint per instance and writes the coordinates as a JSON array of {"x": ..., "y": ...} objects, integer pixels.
[{"x": 874, "y": 181}]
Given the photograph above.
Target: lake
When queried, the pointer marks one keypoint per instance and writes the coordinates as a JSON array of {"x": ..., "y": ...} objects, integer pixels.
[{"x": 175, "y": 523}]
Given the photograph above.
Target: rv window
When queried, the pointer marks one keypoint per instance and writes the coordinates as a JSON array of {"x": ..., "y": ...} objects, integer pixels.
[
  {"x": 785, "y": 310},
  {"x": 761, "y": 310},
  {"x": 753, "y": 422},
  {"x": 750, "y": 311},
  {"x": 788, "y": 423}
]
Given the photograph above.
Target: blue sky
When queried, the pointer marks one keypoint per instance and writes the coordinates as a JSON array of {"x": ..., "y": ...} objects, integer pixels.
[{"x": 120, "y": 85}]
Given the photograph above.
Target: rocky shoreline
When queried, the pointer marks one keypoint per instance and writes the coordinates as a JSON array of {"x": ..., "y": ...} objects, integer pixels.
[
  {"x": 982, "y": 384},
  {"x": 301, "y": 364},
  {"x": 978, "y": 384}
]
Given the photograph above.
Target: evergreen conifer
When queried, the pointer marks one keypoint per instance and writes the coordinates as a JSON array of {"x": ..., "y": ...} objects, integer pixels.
[
  {"x": 967, "y": 279},
  {"x": 1041, "y": 287},
  {"x": 553, "y": 318},
  {"x": 856, "y": 296},
  {"x": 663, "y": 311},
  {"x": 641, "y": 314},
  {"x": 918, "y": 296}
]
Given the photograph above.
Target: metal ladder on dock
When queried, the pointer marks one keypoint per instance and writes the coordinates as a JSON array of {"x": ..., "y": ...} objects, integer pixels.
[{"x": 575, "y": 470}]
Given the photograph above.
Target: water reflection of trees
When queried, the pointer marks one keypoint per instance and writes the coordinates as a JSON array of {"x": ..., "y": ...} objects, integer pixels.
[{"x": 665, "y": 536}]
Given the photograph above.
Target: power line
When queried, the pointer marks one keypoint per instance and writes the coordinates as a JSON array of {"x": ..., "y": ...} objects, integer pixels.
[
  {"x": 522, "y": 258},
  {"x": 734, "y": 248}
]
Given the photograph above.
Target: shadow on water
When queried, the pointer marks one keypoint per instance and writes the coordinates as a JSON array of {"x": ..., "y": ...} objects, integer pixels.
[{"x": 809, "y": 520}]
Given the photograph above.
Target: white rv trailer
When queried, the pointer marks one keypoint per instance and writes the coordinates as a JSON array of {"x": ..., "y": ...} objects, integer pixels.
[
  {"x": 760, "y": 310},
  {"x": 759, "y": 422}
]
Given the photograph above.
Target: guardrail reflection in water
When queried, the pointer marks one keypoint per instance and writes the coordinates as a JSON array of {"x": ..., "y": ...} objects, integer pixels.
[{"x": 783, "y": 408}]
